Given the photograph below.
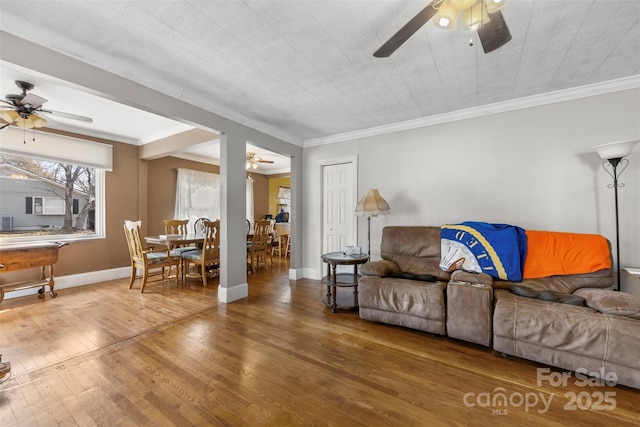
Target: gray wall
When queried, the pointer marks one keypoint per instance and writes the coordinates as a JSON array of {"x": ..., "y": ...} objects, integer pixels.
[{"x": 533, "y": 167}]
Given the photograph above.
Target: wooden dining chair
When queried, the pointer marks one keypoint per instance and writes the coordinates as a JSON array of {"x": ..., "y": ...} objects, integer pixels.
[
  {"x": 177, "y": 226},
  {"x": 147, "y": 260},
  {"x": 207, "y": 258},
  {"x": 198, "y": 226},
  {"x": 258, "y": 248},
  {"x": 281, "y": 239}
]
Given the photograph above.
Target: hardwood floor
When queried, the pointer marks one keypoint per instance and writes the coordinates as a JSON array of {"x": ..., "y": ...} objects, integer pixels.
[{"x": 105, "y": 355}]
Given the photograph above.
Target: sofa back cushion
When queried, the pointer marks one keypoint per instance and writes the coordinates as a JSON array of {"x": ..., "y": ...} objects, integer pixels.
[
  {"x": 564, "y": 262},
  {"x": 566, "y": 283},
  {"x": 552, "y": 253},
  {"x": 416, "y": 250}
]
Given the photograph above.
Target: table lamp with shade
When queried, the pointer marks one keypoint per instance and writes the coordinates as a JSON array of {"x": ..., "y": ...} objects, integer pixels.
[
  {"x": 371, "y": 204},
  {"x": 614, "y": 164}
]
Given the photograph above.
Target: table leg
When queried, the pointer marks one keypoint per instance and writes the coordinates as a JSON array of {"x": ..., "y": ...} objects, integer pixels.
[
  {"x": 52, "y": 282},
  {"x": 334, "y": 303},
  {"x": 355, "y": 279},
  {"x": 328, "y": 285}
]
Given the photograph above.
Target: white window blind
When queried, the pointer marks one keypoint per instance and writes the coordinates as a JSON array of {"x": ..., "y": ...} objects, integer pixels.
[{"x": 57, "y": 148}]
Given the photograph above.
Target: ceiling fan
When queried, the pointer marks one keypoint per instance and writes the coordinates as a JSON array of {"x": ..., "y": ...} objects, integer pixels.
[
  {"x": 253, "y": 160},
  {"x": 484, "y": 16},
  {"x": 26, "y": 109}
]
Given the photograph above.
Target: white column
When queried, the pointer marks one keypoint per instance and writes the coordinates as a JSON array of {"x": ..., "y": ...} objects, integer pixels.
[{"x": 233, "y": 238}]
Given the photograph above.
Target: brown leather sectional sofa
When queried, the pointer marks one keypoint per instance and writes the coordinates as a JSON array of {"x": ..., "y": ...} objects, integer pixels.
[{"x": 572, "y": 321}]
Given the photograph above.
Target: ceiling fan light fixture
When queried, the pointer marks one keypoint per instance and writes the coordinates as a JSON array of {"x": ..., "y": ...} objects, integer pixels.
[
  {"x": 9, "y": 116},
  {"x": 38, "y": 121},
  {"x": 30, "y": 122},
  {"x": 476, "y": 16},
  {"x": 24, "y": 123},
  {"x": 462, "y": 4},
  {"x": 495, "y": 5},
  {"x": 447, "y": 16}
]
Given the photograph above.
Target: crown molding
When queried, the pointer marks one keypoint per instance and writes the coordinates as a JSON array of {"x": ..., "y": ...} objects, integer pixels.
[{"x": 617, "y": 85}]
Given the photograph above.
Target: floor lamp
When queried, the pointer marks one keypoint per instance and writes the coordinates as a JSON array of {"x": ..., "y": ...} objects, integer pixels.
[
  {"x": 614, "y": 164},
  {"x": 372, "y": 204}
]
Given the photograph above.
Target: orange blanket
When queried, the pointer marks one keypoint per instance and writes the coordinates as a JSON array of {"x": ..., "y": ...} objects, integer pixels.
[{"x": 552, "y": 253}]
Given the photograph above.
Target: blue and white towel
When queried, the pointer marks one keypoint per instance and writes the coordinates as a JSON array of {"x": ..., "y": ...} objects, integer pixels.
[{"x": 496, "y": 249}]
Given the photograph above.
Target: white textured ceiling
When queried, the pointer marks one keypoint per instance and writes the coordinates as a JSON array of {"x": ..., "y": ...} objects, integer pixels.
[{"x": 304, "y": 70}]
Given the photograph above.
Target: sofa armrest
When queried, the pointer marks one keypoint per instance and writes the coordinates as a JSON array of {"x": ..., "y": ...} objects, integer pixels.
[
  {"x": 472, "y": 277},
  {"x": 379, "y": 268}
]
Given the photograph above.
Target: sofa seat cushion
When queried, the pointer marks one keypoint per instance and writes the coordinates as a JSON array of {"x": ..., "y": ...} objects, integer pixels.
[
  {"x": 416, "y": 298},
  {"x": 564, "y": 327},
  {"x": 612, "y": 302},
  {"x": 547, "y": 295},
  {"x": 567, "y": 336},
  {"x": 410, "y": 303}
]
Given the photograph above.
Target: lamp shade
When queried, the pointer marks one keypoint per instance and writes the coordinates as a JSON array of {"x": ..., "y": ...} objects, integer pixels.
[
  {"x": 372, "y": 204},
  {"x": 615, "y": 150}
]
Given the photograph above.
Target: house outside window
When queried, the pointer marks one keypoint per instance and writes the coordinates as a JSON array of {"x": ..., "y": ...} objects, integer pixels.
[
  {"x": 56, "y": 195},
  {"x": 34, "y": 201}
]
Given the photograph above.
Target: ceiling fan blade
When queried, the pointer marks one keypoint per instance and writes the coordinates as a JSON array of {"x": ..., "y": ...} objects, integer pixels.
[
  {"x": 67, "y": 115},
  {"x": 34, "y": 101},
  {"x": 405, "y": 32},
  {"x": 9, "y": 104},
  {"x": 49, "y": 120},
  {"x": 494, "y": 33}
]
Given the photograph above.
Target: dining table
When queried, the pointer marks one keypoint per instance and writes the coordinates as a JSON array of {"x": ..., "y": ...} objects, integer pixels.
[{"x": 175, "y": 239}]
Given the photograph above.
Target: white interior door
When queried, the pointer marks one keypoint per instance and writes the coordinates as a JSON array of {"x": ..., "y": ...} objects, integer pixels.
[{"x": 339, "y": 221}]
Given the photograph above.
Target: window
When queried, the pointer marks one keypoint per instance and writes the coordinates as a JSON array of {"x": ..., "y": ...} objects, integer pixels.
[
  {"x": 48, "y": 206},
  {"x": 45, "y": 197},
  {"x": 198, "y": 196}
]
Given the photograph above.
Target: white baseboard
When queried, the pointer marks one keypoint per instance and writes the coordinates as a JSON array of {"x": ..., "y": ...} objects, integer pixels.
[
  {"x": 234, "y": 293},
  {"x": 64, "y": 282},
  {"x": 311, "y": 273},
  {"x": 224, "y": 294},
  {"x": 296, "y": 273}
]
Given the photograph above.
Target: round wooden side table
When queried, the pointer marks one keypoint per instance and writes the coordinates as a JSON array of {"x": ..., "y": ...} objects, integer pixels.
[{"x": 335, "y": 280}]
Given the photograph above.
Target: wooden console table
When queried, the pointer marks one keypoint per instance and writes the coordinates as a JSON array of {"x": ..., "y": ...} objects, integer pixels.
[{"x": 43, "y": 255}]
